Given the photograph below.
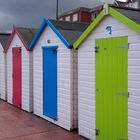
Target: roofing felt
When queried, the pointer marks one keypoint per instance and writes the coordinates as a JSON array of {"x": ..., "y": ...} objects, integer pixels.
[
  {"x": 97, "y": 8},
  {"x": 131, "y": 13},
  {"x": 27, "y": 34},
  {"x": 3, "y": 38},
  {"x": 70, "y": 30}
]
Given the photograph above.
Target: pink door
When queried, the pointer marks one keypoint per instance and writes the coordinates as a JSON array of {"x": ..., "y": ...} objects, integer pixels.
[{"x": 17, "y": 77}]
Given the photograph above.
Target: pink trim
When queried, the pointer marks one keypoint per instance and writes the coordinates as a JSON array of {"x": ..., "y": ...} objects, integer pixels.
[
  {"x": 9, "y": 40},
  {"x": 22, "y": 40},
  {"x": 14, "y": 31}
]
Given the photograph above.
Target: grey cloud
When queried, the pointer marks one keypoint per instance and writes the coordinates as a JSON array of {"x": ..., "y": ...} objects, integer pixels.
[{"x": 30, "y": 13}]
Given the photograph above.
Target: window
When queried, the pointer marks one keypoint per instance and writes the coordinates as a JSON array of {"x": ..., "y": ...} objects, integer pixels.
[
  {"x": 68, "y": 18},
  {"x": 75, "y": 17},
  {"x": 94, "y": 15},
  {"x": 61, "y": 19}
]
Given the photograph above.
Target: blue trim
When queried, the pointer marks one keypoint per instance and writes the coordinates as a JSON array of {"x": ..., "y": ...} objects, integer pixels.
[
  {"x": 39, "y": 32},
  {"x": 49, "y": 47},
  {"x": 59, "y": 34}
]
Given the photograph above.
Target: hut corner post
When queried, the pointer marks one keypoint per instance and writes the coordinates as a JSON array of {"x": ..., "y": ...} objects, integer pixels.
[{"x": 106, "y": 7}]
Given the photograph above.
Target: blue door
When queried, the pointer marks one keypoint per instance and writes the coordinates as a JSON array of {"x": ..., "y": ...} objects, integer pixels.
[{"x": 50, "y": 82}]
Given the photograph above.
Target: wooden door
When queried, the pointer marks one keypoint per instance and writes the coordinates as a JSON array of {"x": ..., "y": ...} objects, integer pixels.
[
  {"x": 112, "y": 89},
  {"x": 17, "y": 77},
  {"x": 50, "y": 82}
]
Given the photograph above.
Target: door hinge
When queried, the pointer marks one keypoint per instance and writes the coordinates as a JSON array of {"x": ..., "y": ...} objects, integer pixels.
[
  {"x": 125, "y": 46},
  {"x": 124, "y": 94},
  {"x": 96, "y": 49},
  {"x": 97, "y": 131},
  {"x": 54, "y": 50},
  {"x": 19, "y": 50}
]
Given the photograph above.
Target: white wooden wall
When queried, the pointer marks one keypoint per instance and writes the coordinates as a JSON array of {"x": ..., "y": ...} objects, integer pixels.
[
  {"x": 86, "y": 78},
  {"x": 26, "y": 75},
  {"x": 64, "y": 80},
  {"x": 2, "y": 74}
]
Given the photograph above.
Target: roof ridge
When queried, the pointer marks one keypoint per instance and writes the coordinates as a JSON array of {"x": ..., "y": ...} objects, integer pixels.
[
  {"x": 25, "y": 28},
  {"x": 125, "y": 8}
]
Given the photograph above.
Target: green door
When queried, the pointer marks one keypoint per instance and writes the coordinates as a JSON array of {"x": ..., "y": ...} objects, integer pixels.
[{"x": 112, "y": 89}]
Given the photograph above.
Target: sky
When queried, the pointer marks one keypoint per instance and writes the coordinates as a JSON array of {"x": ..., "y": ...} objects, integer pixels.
[{"x": 30, "y": 13}]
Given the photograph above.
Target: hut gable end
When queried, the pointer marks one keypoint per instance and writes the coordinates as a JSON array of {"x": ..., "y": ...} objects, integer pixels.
[{"x": 87, "y": 75}]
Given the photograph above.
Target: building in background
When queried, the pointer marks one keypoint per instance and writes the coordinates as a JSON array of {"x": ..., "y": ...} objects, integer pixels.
[
  {"x": 82, "y": 14},
  {"x": 134, "y": 4},
  {"x": 86, "y": 15},
  {"x": 95, "y": 11},
  {"x": 125, "y": 3}
]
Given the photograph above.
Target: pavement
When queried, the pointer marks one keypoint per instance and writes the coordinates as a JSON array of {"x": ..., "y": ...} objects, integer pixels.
[{"x": 16, "y": 124}]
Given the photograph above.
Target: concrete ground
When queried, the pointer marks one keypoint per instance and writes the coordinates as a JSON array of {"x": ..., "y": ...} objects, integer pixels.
[{"x": 19, "y": 125}]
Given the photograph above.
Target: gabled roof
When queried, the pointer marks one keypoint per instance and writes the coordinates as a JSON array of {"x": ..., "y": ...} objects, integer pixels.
[
  {"x": 3, "y": 38},
  {"x": 68, "y": 32},
  {"x": 131, "y": 13},
  {"x": 128, "y": 16},
  {"x": 25, "y": 34}
]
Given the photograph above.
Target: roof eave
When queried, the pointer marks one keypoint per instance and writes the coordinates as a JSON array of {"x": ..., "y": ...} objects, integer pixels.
[
  {"x": 89, "y": 29},
  {"x": 38, "y": 34},
  {"x": 125, "y": 20},
  {"x": 112, "y": 12},
  {"x": 14, "y": 31},
  {"x": 59, "y": 34},
  {"x": 9, "y": 40}
]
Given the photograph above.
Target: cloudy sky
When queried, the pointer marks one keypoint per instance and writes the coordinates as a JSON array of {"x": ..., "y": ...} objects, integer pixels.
[{"x": 30, "y": 13}]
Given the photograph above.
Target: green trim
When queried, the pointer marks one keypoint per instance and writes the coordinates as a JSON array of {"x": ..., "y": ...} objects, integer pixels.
[
  {"x": 112, "y": 12},
  {"x": 89, "y": 29},
  {"x": 125, "y": 20}
]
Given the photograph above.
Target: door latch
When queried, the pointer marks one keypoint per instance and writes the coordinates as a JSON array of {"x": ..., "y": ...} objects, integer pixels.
[
  {"x": 125, "y": 46},
  {"x": 124, "y": 94},
  {"x": 97, "y": 131},
  {"x": 96, "y": 49}
]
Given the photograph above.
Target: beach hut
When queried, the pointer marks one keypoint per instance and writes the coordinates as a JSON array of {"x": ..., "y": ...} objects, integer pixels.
[
  {"x": 3, "y": 39},
  {"x": 20, "y": 68},
  {"x": 55, "y": 72},
  {"x": 109, "y": 76}
]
